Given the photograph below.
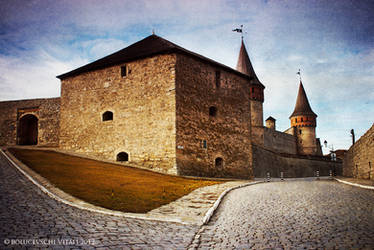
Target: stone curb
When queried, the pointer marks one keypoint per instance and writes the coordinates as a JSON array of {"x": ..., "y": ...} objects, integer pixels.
[
  {"x": 211, "y": 211},
  {"x": 355, "y": 184},
  {"x": 74, "y": 202}
]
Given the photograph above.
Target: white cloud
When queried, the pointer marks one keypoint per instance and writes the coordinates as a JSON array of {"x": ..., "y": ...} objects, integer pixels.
[{"x": 34, "y": 77}]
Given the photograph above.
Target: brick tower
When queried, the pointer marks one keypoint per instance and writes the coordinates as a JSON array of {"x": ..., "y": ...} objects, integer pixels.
[
  {"x": 244, "y": 66},
  {"x": 304, "y": 120}
]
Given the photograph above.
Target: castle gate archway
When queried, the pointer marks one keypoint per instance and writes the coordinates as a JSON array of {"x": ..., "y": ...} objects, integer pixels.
[{"x": 28, "y": 130}]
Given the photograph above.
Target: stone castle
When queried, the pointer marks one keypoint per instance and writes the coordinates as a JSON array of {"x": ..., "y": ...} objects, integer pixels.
[{"x": 157, "y": 105}]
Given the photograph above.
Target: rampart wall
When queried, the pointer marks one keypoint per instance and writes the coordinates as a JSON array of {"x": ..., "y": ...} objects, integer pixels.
[
  {"x": 359, "y": 159},
  {"x": 279, "y": 142},
  {"x": 46, "y": 111},
  {"x": 292, "y": 166}
]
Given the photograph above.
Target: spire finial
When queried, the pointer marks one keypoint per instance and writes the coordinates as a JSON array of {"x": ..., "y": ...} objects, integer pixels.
[
  {"x": 239, "y": 30},
  {"x": 299, "y": 73}
]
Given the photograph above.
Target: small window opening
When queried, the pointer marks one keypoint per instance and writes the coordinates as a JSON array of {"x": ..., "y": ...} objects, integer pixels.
[
  {"x": 295, "y": 119},
  {"x": 253, "y": 90},
  {"x": 204, "y": 144},
  {"x": 219, "y": 163},
  {"x": 218, "y": 79},
  {"x": 123, "y": 71},
  {"x": 123, "y": 156},
  {"x": 107, "y": 116},
  {"x": 213, "y": 111},
  {"x": 300, "y": 131},
  {"x": 301, "y": 119}
]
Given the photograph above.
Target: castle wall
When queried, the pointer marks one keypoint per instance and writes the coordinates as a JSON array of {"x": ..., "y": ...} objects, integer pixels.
[
  {"x": 46, "y": 111},
  {"x": 292, "y": 166},
  {"x": 279, "y": 142},
  {"x": 359, "y": 159},
  {"x": 143, "y": 107},
  {"x": 202, "y": 138}
]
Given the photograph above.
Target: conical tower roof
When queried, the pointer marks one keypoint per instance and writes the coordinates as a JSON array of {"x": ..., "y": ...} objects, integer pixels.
[
  {"x": 302, "y": 106},
  {"x": 244, "y": 65}
]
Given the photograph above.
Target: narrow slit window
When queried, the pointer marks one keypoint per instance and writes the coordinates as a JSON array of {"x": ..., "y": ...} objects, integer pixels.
[
  {"x": 213, "y": 111},
  {"x": 123, "y": 71},
  {"x": 218, "y": 79}
]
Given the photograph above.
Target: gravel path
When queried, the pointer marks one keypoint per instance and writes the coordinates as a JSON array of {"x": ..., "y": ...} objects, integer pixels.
[
  {"x": 30, "y": 218},
  {"x": 295, "y": 214}
]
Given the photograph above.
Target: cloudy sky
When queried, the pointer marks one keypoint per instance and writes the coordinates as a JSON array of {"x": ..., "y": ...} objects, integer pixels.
[{"x": 332, "y": 42}]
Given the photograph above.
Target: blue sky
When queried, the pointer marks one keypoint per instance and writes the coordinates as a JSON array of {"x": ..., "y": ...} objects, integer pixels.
[{"x": 332, "y": 42}]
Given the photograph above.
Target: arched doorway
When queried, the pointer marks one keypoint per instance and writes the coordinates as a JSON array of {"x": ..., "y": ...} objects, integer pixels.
[
  {"x": 123, "y": 156},
  {"x": 28, "y": 130},
  {"x": 219, "y": 163}
]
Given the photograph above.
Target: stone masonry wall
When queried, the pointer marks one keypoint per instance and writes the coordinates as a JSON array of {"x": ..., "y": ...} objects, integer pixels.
[
  {"x": 201, "y": 137},
  {"x": 291, "y": 165},
  {"x": 359, "y": 159},
  {"x": 47, "y": 112},
  {"x": 279, "y": 142},
  {"x": 143, "y": 106}
]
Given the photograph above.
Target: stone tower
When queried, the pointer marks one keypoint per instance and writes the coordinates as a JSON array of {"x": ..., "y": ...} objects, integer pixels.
[
  {"x": 244, "y": 66},
  {"x": 304, "y": 120}
]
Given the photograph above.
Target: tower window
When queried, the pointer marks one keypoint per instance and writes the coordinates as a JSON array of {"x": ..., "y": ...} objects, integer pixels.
[
  {"x": 301, "y": 119},
  {"x": 295, "y": 119},
  {"x": 300, "y": 131},
  {"x": 107, "y": 116},
  {"x": 204, "y": 144},
  {"x": 213, "y": 111},
  {"x": 253, "y": 89},
  {"x": 123, "y": 71},
  {"x": 218, "y": 79}
]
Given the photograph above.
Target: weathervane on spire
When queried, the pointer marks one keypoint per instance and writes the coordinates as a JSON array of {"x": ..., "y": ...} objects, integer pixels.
[
  {"x": 299, "y": 73},
  {"x": 239, "y": 30}
]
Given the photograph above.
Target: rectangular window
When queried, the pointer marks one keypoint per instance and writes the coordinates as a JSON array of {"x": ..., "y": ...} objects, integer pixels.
[
  {"x": 204, "y": 144},
  {"x": 218, "y": 79},
  {"x": 123, "y": 71}
]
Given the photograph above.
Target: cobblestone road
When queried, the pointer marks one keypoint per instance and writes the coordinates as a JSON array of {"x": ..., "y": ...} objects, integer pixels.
[
  {"x": 27, "y": 213},
  {"x": 297, "y": 214}
]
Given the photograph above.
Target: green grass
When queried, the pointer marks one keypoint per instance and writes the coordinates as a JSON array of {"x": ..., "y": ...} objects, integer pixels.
[{"x": 108, "y": 185}]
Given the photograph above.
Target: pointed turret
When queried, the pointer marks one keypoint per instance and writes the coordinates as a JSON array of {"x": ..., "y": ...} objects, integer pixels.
[
  {"x": 244, "y": 65},
  {"x": 302, "y": 106},
  {"x": 304, "y": 120},
  {"x": 256, "y": 95}
]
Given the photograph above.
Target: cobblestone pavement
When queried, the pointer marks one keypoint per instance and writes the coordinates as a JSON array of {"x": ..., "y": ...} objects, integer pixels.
[
  {"x": 294, "y": 214},
  {"x": 26, "y": 213}
]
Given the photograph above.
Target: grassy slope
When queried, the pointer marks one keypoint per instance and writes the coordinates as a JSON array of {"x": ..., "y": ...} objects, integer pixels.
[{"x": 108, "y": 185}]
